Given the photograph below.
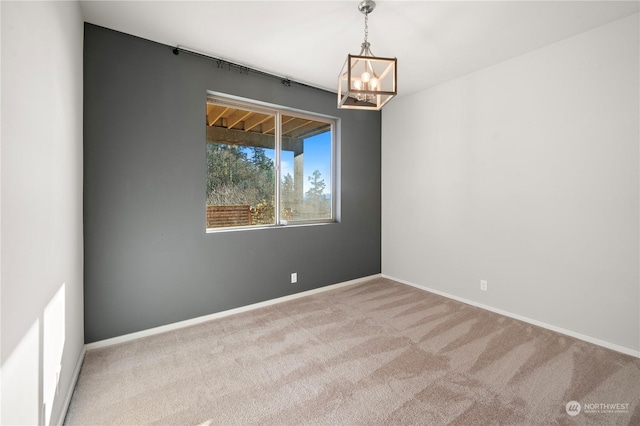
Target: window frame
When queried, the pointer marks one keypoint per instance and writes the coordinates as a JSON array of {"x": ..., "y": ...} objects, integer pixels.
[{"x": 278, "y": 111}]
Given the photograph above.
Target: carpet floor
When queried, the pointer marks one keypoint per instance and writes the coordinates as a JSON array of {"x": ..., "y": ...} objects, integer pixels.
[{"x": 373, "y": 353}]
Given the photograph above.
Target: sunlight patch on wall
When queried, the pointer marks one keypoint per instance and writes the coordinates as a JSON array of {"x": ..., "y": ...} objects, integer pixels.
[
  {"x": 53, "y": 346},
  {"x": 31, "y": 373}
]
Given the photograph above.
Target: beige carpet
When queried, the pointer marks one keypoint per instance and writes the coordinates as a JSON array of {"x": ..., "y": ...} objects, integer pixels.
[{"x": 375, "y": 353}]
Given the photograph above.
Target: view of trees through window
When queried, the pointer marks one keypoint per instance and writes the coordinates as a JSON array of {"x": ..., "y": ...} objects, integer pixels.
[{"x": 243, "y": 169}]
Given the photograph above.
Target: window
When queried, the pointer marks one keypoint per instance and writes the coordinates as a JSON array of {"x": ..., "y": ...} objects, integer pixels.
[{"x": 267, "y": 166}]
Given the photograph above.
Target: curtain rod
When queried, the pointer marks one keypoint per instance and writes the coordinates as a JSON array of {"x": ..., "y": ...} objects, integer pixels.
[{"x": 286, "y": 81}]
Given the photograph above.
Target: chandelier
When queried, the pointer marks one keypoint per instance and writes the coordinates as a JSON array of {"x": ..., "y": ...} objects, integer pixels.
[{"x": 367, "y": 81}]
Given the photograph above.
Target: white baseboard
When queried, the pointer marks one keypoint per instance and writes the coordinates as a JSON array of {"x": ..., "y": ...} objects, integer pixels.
[
  {"x": 205, "y": 318},
  {"x": 72, "y": 386},
  {"x": 589, "y": 339}
]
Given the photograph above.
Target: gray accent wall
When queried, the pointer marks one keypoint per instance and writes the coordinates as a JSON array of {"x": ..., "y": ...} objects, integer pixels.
[{"x": 148, "y": 260}]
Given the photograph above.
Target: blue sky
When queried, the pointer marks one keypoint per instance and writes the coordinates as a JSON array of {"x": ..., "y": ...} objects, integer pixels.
[{"x": 317, "y": 156}]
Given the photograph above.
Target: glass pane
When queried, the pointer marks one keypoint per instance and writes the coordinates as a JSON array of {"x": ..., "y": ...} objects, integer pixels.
[
  {"x": 306, "y": 185},
  {"x": 241, "y": 172}
]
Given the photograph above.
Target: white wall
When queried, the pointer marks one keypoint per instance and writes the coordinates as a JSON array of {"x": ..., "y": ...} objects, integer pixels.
[
  {"x": 525, "y": 174},
  {"x": 41, "y": 210}
]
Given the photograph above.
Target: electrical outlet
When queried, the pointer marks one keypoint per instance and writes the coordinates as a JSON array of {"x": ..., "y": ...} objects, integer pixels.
[
  {"x": 294, "y": 277},
  {"x": 483, "y": 285}
]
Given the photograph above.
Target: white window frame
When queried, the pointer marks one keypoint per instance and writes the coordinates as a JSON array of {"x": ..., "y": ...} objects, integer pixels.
[{"x": 278, "y": 111}]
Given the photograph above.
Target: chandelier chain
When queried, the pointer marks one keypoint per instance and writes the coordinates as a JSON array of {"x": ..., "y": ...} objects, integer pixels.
[{"x": 366, "y": 27}]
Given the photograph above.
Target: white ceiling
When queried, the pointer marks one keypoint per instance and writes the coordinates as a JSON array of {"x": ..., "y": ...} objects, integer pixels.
[{"x": 307, "y": 41}]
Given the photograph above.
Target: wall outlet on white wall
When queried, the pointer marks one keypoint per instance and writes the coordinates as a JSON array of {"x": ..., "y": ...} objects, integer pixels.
[
  {"x": 294, "y": 277},
  {"x": 483, "y": 285}
]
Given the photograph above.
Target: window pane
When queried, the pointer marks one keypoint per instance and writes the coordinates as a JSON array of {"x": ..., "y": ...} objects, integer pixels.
[
  {"x": 306, "y": 185},
  {"x": 241, "y": 172}
]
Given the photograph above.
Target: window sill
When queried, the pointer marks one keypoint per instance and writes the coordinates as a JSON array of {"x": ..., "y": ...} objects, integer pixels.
[{"x": 256, "y": 227}]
